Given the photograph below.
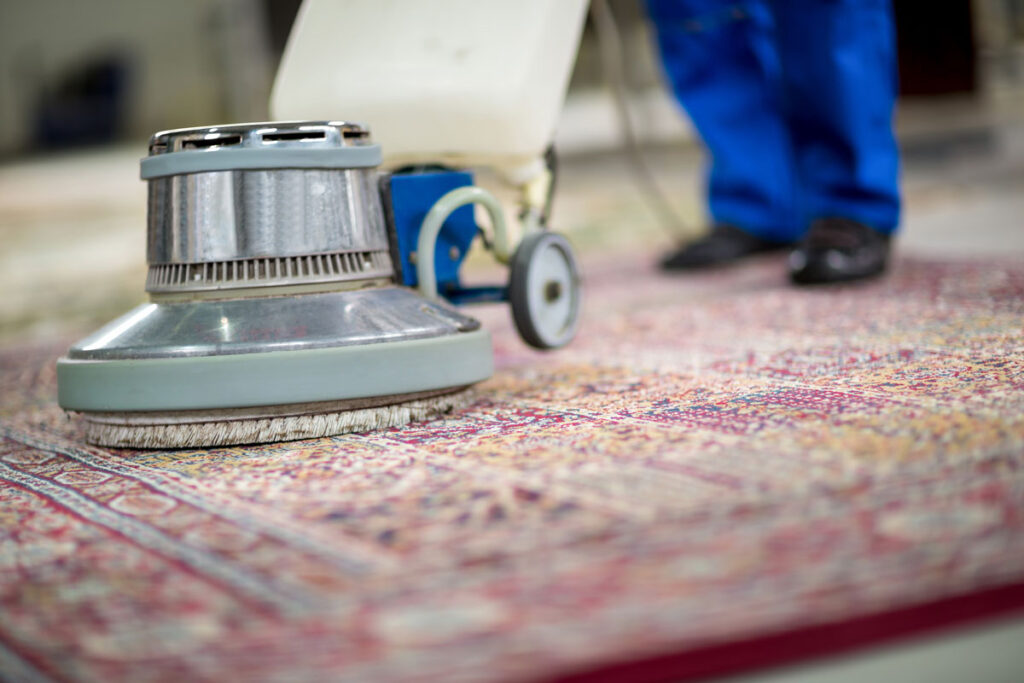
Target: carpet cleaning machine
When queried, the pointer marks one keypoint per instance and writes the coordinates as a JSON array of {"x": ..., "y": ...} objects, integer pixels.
[{"x": 303, "y": 274}]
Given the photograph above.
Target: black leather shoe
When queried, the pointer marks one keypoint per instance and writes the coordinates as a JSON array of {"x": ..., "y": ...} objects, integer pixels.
[
  {"x": 838, "y": 250},
  {"x": 724, "y": 244}
]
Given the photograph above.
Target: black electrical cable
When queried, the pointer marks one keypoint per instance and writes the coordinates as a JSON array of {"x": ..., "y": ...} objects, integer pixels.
[{"x": 610, "y": 47}]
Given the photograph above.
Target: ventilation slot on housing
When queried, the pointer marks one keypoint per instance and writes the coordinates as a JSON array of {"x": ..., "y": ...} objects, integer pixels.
[
  {"x": 205, "y": 143},
  {"x": 294, "y": 135},
  {"x": 264, "y": 272}
]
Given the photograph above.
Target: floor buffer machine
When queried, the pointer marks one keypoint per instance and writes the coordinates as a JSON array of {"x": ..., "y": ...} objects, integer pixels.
[{"x": 303, "y": 279}]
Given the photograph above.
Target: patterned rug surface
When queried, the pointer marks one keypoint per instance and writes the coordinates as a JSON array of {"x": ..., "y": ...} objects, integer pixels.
[{"x": 717, "y": 461}]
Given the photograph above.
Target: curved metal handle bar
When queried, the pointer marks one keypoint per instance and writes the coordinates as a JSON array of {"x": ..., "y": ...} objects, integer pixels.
[{"x": 436, "y": 217}]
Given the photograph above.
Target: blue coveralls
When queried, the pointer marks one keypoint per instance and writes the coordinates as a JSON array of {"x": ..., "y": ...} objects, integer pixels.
[{"x": 794, "y": 100}]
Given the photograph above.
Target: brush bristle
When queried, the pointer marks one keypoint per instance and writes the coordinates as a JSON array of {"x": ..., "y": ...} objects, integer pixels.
[{"x": 270, "y": 429}]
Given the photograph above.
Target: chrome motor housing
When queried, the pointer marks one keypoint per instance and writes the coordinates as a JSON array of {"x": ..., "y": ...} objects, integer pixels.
[{"x": 263, "y": 204}]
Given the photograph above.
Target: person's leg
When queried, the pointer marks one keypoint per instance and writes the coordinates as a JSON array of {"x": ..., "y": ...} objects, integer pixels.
[
  {"x": 838, "y": 60},
  {"x": 720, "y": 60}
]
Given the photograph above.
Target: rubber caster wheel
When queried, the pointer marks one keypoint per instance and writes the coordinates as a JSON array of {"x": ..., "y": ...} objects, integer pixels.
[{"x": 544, "y": 290}]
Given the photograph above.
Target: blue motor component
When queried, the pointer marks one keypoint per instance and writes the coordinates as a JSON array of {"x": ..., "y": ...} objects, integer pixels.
[
  {"x": 436, "y": 207},
  {"x": 408, "y": 197}
]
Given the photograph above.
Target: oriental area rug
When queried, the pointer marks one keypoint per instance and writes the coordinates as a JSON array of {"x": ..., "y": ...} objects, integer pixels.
[{"x": 721, "y": 473}]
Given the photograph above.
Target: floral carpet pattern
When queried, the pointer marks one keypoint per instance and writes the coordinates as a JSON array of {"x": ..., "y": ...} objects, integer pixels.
[{"x": 717, "y": 459}]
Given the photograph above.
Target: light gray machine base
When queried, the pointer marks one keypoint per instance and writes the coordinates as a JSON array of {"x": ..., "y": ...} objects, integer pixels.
[
  {"x": 194, "y": 401},
  {"x": 275, "y": 378}
]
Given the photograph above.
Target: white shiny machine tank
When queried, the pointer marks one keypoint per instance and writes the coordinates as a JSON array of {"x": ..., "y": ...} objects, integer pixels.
[{"x": 465, "y": 82}]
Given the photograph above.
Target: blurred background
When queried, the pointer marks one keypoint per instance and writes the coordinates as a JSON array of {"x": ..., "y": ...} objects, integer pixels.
[{"x": 83, "y": 85}]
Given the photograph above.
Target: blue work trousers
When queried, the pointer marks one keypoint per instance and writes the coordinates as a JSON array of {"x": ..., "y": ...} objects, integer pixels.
[{"x": 794, "y": 100}]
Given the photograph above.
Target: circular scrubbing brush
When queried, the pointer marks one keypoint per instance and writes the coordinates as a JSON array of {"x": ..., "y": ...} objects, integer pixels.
[{"x": 274, "y": 312}]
